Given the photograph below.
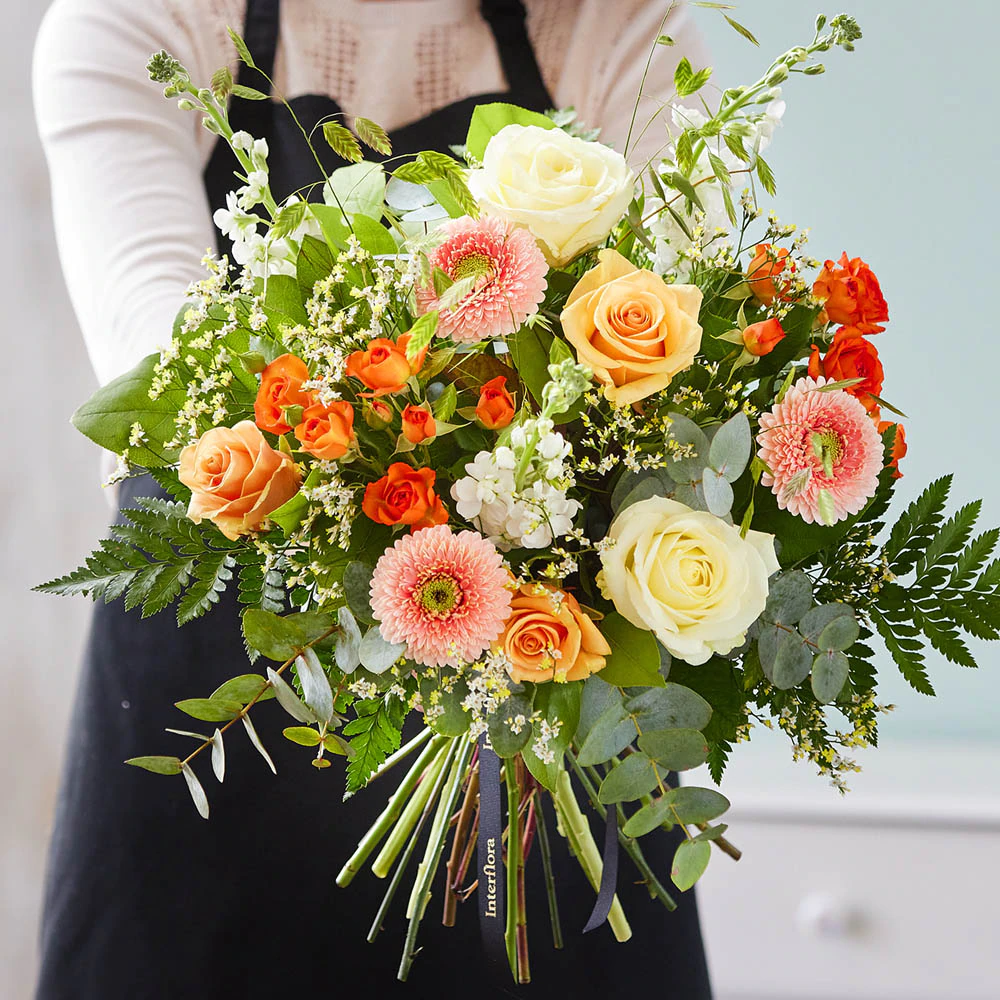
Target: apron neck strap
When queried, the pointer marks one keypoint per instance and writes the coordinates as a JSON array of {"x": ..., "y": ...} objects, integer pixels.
[
  {"x": 260, "y": 32},
  {"x": 506, "y": 19}
]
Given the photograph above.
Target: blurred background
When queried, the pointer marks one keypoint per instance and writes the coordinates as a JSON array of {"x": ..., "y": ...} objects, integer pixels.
[{"x": 892, "y": 155}]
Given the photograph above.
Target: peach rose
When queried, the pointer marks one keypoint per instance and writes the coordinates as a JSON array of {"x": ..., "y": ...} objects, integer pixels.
[
  {"x": 851, "y": 356},
  {"x": 495, "y": 409},
  {"x": 632, "y": 329},
  {"x": 405, "y": 496},
  {"x": 280, "y": 386},
  {"x": 418, "y": 424},
  {"x": 766, "y": 265},
  {"x": 548, "y": 635},
  {"x": 327, "y": 432},
  {"x": 236, "y": 478},
  {"x": 852, "y": 295},
  {"x": 761, "y": 338},
  {"x": 384, "y": 367}
]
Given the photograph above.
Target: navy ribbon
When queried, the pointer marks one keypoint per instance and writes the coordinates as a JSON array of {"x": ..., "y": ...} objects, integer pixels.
[
  {"x": 489, "y": 850},
  {"x": 609, "y": 873}
]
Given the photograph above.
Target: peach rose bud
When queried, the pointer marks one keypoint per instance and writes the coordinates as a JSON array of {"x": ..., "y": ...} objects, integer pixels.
[
  {"x": 236, "y": 478},
  {"x": 762, "y": 338},
  {"x": 327, "y": 432},
  {"x": 418, "y": 424},
  {"x": 383, "y": 367},
  {"x": 495, "y": 409},
  {"x": 378, "y": 415}
]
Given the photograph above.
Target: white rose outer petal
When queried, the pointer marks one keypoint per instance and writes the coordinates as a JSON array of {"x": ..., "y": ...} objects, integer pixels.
[
  {"x": 567, "y": 192},
  {"x": 642, "y": 576}
]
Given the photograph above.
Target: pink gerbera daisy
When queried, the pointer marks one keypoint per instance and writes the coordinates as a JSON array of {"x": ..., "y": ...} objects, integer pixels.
[
  {"x": 509, "y": 272},
  {"x": 444, "y": 595},
  {"x": 822, "y": 450}
]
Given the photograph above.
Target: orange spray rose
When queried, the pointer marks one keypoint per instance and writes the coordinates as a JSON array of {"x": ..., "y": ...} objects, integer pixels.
[
  {"x": 405, "y": 496},
  {"x": 766, "y": 265},
  {"x": 327, "y": 432},
  {"x": 762, "y": 338},
  {"x": 383, "y": 367},
  {"x": 280, "y": 386},
  {"x": 851, "y": 356},
  {"x": 495, "y": 409},
  {"x": 418, "y": 424},
  {"x": 852, "y": 296}
]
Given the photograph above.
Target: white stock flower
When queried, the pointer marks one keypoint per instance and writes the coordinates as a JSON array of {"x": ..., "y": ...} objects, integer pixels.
[
  {"x": 567, "y": 192},
  {"x": 232, "y": 221},
  {"x": 686, "y": 575}
]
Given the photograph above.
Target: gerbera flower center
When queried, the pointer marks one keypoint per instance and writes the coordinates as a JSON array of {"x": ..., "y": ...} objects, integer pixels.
[
  {"x": 472, "y": 265},
  {"x": 439, "y": 595},
  {"x": 828, "y": 447}
]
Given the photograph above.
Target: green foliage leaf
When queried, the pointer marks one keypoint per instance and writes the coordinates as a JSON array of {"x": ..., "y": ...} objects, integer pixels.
[
  {"x": 374, "y": 734},
  {"x": 108, "y": 416},
  {"x": 373, "y": 236},
  {"x": 304, "y": 736},
  {"x": 282, "y": 638},
  {"x": 830, "y": 671},
  {"x": 357, "y": 189},
  {"x": 675, "y": 749},
  {"x": 244, "y": 689},
  {"x": 635, "y": 655},
  {"x": 529, "y": 350},
  {"x": 489, "y": 119},
  {"x": 671, "y": 707},
  {"x": 247, "y": 93},
  {"x": 210, "y": 709},
  {"x": 690, "y": 804},
  {"x": 158, "y": 765},
  {"x": 690, "y": 861},
  {"x": 559, "y": 705},
  {"x": 630, "y": 779}
]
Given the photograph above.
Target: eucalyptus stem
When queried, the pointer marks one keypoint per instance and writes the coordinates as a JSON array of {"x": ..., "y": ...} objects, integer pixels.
[
  {"x": 575, "y": 827},
  {"x": 391, "y": 812},
  {"x": 629, "y": 845},
  {"x": 404, "y": 860},
  {"x": 459, "y": 753},
  {"x": 550, "y": 880},
  {"x": 415, "y": 806},
  {"x": 513, "y": 860}
]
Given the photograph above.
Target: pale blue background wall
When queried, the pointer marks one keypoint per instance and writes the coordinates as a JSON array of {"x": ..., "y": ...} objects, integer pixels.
[{"x": 892, "y": 155}]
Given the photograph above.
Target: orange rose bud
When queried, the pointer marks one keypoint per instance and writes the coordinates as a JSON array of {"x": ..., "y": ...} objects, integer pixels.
[
  {"x": 236, "y": 478},
  {"x": 327, "y": 432},
  {"x": 383, "y": 367},
  {"x": 762, "y": 338},
  {"x": 898, "y": 446},
  {"x": 766, "y": 264},
  {"x": 378, "y": 415},
  {"x": 280, "y": 386},
  {"x": 851, "y": 356},
  {"x": 851, "y": 295},
  {"x": 495, "y": 408},
  {"x": 405, "y": 496},
  {"x": 418, "y": 424}
]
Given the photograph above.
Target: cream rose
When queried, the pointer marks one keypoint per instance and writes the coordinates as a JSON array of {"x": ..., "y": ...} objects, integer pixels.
[
  {"x": 236, "y": 478},
  {"x": 632, "y": 329},
  {"x": 687, "y": 576},
  {"x": 567, "y": 192}
]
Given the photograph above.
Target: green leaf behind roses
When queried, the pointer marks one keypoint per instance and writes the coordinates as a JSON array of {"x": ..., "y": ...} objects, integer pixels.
[
  {"x": 635, "y": 655},
  {"x": 489, "y": 119},
  {"x": 107, "y": 417},
  {"x": 555, "y": 703}
]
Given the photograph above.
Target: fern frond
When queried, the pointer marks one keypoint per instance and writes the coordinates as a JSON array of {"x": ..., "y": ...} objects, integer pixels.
[{"x": 917, "y": 525}]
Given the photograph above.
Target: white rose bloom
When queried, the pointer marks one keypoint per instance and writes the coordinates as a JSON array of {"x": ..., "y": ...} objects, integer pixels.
[
  {"x": 687, "y": 576},
  {"x": 567, "y": 192}
]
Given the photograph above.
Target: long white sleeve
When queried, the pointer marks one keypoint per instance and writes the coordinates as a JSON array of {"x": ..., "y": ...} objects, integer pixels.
[{"x": 131, "y": 217}]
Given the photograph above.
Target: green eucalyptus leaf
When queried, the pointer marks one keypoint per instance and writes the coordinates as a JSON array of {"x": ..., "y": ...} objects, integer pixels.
[
  {"x": 789, "y": 598},
  {"x": 792, "y": 662},
  {"x": 158, "y": 765},
  {"x": 690, "y": 861},
  {"x": 506, "y": 742},
  {"x": 347, "y": 650},
  {"x": 690, "y": 804},
  {"x": 357, "y": 590},
  {"x": 689, "y": 436},
  {"x": 358, "y": 188},
  {"x": 197, "y": 792},
  {"x": 244, "y": 689},
  {"x": 675, "y": 749},
  {"x": 830, "y": 669},
  {"x": 377, "y": 655},
  {"x": 840, "y": 633},
  {"x": 731, "y": 446},
  {"x": 304, "y": 736},
  {"x": 289, "y": 700},
  {"x": 671, "y": 707},
  {"x": 718, "y": 492},
  {"x": 630, "y": 779},
  {"x": 650, "y": 817},
  {"x": 210, "y": 709},
  {"x": 316, "y": 690}
]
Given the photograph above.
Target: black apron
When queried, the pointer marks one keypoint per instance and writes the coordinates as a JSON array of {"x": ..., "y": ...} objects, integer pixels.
[{"x": 146, "y": 901}]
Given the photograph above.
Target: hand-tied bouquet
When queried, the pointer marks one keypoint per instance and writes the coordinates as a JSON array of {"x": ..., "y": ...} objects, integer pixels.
[{"x": 578, "y": 464}]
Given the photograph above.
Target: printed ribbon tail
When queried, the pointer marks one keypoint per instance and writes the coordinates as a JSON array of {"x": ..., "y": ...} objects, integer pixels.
[
  {"x": 489, "y": 854},
  {"x": 609, "y": 873}
]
